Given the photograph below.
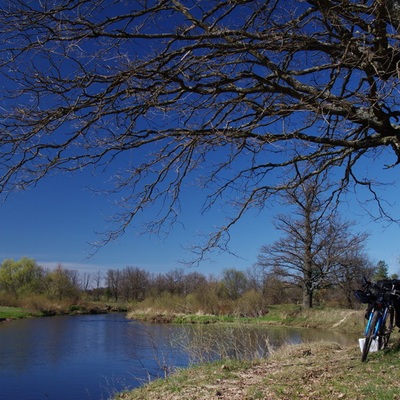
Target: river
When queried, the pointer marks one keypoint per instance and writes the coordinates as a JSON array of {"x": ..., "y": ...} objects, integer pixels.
[{"x": 91, "y": 357}]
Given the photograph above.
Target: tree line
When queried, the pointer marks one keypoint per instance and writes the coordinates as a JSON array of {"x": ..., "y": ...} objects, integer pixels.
[
  {"x": 234, "y": 292},
  {"x": 319, "y": 258}
]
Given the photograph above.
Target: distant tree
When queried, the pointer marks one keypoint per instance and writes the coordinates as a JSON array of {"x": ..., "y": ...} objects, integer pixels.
[
  {"x": 174, "y": 281},
  {"x": 86, "y": 281},
  {"x": 63, "y": 283},
  {"x": 113, "y": 281},
  {"x": 158, "y": 284},
  {"x": 255, "y": 277},
  {"x": 193, "y": 281},
  {"x": 381, "y": 271},
  {"x": 21, "y": 277},
  {"x": 234, "y": 95},
  {"x": 234, "y": 283},
  {"x": 314, "y": 243},
  {"x": 97, "y": 283},
  {"x": 134, "y": 283}
]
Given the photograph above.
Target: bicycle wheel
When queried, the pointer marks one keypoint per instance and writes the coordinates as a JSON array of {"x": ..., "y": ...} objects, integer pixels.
[
  {"x": 369, "y": 336},
  {"x": 386, "y": 329}
]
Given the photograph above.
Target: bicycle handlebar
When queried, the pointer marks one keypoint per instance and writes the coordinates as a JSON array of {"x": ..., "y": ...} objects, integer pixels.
[{"x": 368, "y": 284}]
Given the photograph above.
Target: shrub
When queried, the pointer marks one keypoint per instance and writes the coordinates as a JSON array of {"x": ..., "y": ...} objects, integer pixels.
[
  {"x": 8, "y": 300},
  {"x": 37, "y": 304},
  {"x": 251, "y": 304},
  {"x": 166, "y": 303}
]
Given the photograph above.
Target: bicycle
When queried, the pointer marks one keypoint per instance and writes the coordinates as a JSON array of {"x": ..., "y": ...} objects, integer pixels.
[{"x": 381, "y": 297}]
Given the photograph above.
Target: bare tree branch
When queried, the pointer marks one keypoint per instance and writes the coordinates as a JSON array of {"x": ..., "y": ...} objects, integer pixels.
[{"x": 235, "y": 95}]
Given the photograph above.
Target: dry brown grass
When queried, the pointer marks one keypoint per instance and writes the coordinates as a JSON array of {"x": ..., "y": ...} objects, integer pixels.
[{"x": 322, "y": 371}]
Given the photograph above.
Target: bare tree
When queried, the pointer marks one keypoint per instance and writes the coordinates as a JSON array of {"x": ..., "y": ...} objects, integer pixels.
[
  {"x": 315, "y": 244},
  {"x": 97, "y": 283},
  {"x": 248, "y": 90},
  {"x": 193, "y": 282},
  {"x": 113, "y": 281},
  {"x": 86, "y": 281},
  {"x": 351, "y": 266},
  {"x": 134, "y": 283},
  {"x": 175, "y": 281},
  {"x": 234, "y": 283}
]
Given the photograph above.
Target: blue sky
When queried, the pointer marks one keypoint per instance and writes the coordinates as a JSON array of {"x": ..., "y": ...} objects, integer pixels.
[{"x": 56, "y": 221}]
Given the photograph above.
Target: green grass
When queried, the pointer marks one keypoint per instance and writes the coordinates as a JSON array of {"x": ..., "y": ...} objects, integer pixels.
[{"x": 14, "y": 313}]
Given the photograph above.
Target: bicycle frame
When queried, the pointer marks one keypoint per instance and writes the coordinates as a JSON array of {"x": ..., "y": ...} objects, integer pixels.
[{"x": 381, "y": 320}]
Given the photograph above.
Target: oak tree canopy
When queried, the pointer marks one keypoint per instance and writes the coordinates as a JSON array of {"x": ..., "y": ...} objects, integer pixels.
[{"x": 236, "y": 95}]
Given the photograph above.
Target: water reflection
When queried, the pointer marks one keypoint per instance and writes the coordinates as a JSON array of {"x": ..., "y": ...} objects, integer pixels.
[{"x": 90, "y": 357}]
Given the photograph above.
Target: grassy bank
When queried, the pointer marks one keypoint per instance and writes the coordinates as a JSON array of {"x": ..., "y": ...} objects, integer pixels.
[
  {"x": 11, "y": 313},
  {"x": 307, "y": 371},
  {"x": 347, "y": 321}
]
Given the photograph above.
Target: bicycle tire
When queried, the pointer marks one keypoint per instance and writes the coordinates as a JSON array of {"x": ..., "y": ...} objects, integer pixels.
[
  {"x": 369, "y": 336},
  {"x": 386, "y": 329}
]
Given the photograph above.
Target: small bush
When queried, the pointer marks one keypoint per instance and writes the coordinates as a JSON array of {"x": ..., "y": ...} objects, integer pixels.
[
  {"x": 38, "y": 304},
  {"x": 41, "y": 304},
  {"x": 251, "y": 304},
  {"x": 8, "y": 300},
  {"x": 166, "y": 303}
]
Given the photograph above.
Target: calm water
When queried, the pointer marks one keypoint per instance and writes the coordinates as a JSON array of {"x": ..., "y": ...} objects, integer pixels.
[
  {"x": 82, "y": 357},
  {"x": 92, "y": 357}
]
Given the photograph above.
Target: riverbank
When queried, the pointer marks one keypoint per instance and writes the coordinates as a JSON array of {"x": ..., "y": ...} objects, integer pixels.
[
  {"x": 11, "y": 313},
  {"x": 306, "y": 371},
  {"x": 320, "y": 371},
  {"x": 339, "y": 320}
]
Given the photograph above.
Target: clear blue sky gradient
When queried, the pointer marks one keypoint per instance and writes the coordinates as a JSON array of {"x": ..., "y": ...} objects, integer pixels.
[{"x": 56, "y": 221}]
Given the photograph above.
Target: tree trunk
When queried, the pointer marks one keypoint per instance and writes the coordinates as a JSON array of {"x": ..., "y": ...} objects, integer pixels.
[
  {"x": 307, "y": 257},
  {"x": 307, "y": 296}
]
